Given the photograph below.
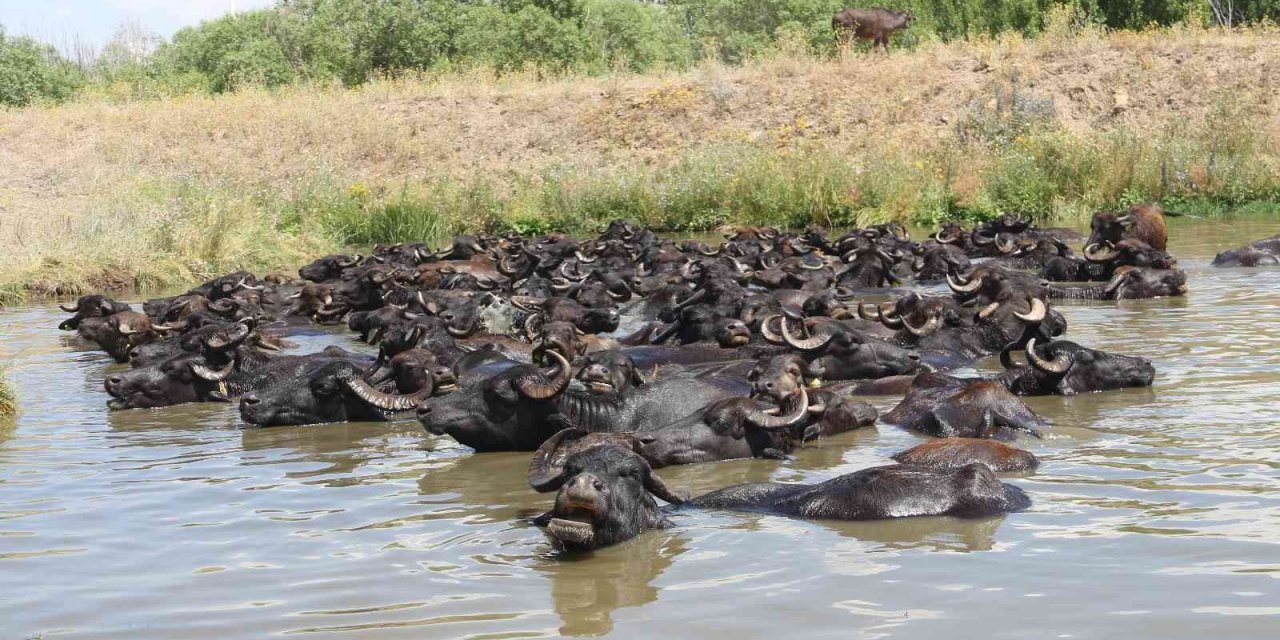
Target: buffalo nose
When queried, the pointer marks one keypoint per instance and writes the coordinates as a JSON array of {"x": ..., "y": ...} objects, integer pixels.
[
  {"x": 585, "y": 484},
  {"x": 913, "y": 357},
  {"x": 250, "y": 399},
  {"x": 114, "y": 381},
  {"x": 424, "y": 410}
]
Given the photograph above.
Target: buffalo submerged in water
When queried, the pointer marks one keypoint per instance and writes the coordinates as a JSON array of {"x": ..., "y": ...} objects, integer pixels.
[{"x": 620, "y": 355}]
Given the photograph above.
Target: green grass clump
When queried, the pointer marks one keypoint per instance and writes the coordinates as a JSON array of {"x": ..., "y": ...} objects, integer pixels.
[{"x": 8, "y": 399}]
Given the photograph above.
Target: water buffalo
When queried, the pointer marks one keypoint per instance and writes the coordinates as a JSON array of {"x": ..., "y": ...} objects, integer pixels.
[
  {"x": 733, "y": 428},
  {"x": 1259, "y": 253},
  {"x": 1065, "y": 368},
  {"x": 1128, "y": 283},
  {"x": 1143, "y": 222},
  {"x": 954, "y": 453},
  {"x": 119, "y": 332},
  {"x": 878, "y": 493},
  {"x": 606, "y": 494},
  {"x": 874, "y": 24},
  {"x": 91, "y": 306},
  {"x": 844, "y": 353},
  {"x": 331, "y": 392},
  {"x": 225, "y": 364},
  {"x": 943, "y": 406},
  {"x": 519, "y": 408}
]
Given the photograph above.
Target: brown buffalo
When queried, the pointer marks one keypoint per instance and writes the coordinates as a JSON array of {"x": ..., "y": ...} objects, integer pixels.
[
  {"x": 873, "y": 24},
  {"x": 1143, "y": 222}
]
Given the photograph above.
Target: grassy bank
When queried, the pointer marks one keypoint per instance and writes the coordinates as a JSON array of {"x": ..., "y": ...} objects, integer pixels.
[
  {"x": 8, "y": 401},
  {"x": 156, "y": 193}
]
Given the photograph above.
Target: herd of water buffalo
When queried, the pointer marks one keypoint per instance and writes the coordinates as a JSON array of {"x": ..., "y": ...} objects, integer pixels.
[{"x": 616, "y": 356}]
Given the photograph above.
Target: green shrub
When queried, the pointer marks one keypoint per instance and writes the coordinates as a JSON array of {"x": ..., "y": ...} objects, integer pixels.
[{"x": 31, "y": 72}]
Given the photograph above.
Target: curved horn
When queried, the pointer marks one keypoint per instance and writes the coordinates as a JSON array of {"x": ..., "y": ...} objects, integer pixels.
[
  {"x": 687, "y": 270},
  {"x": 349, "y": 262},
  {"x": 1005, "y": 245},
  {"x": 816, "y": 341},
  {"x": 1037, "y": 313},
  {"x": 980, "y": 239},
  {"x": 929, "y": 327},
  {"x": 1006, "y": 360},
  {"x": 889, "y": 318},
  {"x": 1096, "y": 253},
  {"x": 222, "y": 341},
  {"x": 545, "y": 474},
  {"x": 576, "y": 276},
  {"x": 537, "y": 387},
  {"x": 1059, "y": 364},
  {"x": 767, "y": 333},
  {"x": 658, "y": 488},
  {"x": 583, "y": 258},
  {"x": 388, "y": 401},
  {"x": 1115, "y": 281},
  {"x": 533, "y": 326},
  {"x": 988, "y": 310},
  {"x": 693, "y": 299},
  {"x": 71, "y": 310},
  {"x": 212, "y": 375},
  {"x": 798, "y": 413},
  {"x": 527, "y": 303},
  {"x": 176, "y": 326},
  {"x": 224, "y": 306},
  {"x": 959, "y": 286},
  {"x": 666, "y": 333}
]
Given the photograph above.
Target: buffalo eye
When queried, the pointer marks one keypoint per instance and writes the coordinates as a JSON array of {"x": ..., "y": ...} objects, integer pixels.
[{"x": 325, "y": 387}]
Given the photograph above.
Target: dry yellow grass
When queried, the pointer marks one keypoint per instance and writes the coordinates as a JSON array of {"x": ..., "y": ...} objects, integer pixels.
[{"x": 90, "y": 191}]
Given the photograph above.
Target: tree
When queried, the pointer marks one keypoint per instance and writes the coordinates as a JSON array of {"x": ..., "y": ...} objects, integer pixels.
[{"x": 30, "y": 72}]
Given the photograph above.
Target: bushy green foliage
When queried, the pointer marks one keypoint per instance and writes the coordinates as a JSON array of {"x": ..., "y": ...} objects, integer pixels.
[
  {"x": 32, "y": 72},
  {"x": 353, "y": 41}
]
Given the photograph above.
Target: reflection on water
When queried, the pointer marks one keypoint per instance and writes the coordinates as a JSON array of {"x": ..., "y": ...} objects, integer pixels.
[{"x": 1156, "y": 512}]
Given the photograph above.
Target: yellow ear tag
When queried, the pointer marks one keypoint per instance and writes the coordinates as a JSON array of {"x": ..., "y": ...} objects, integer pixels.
[
  {"x": 222, "y": 388},
  {"x": 815, "y": 383}
]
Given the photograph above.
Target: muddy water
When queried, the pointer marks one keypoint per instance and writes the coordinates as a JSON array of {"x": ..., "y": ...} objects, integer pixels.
[{"x": 1157, "y": 513}]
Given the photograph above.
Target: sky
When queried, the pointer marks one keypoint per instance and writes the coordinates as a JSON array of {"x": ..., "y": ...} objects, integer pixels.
[{"x": 60, "y": 22}]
